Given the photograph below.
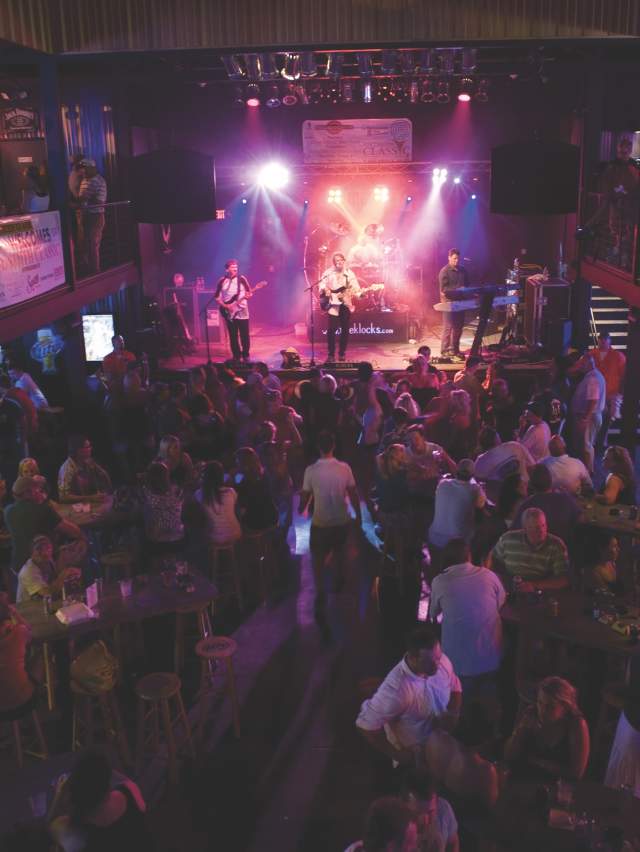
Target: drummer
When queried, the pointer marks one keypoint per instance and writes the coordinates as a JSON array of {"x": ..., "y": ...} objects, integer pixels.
[{"x": 368, "y": 254}]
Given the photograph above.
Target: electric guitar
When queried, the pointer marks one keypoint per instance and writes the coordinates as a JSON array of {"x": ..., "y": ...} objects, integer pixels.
[
  {"x": 346, "y": 297},
  {"x": 230, "y": 309}
]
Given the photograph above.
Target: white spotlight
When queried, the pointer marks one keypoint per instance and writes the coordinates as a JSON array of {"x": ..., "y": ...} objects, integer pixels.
[
  {"x": 273, "y": 176},
  {"x": 456, "y": 180}
]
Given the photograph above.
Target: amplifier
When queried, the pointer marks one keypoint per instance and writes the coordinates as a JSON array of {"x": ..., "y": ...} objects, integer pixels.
[
  {"x": 544, "y": 300},
  {"x": 372, "y": 326}
]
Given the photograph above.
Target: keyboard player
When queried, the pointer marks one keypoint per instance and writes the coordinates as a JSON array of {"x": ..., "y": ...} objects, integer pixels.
[{"x": 451, "y": 278}]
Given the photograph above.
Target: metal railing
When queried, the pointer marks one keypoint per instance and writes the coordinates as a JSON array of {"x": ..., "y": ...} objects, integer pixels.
[
  {"x": 614, "y": 228},
  {"x": 101, "y": 237}
]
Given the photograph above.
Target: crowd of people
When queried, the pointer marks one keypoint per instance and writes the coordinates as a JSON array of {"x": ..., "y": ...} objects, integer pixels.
[{"x": 473, "y": 487}]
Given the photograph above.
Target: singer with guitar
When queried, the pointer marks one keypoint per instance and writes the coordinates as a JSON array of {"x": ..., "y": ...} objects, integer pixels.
[{"x": 232, "y": 295}]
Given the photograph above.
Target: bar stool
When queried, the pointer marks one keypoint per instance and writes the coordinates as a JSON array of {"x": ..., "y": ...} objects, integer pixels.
[
  {"x": 155, "y": 693},
  {"x": 262, "y": 543},
  {"x": 37, "y": 739},
  {"x": 215, "y": 555},
  {"x": 86, "y": 705},
  {"x": 201, "y": 611},
  {"x": 611, "y": 705},
  {"x": 116, "y": 565},
  {"x": 211, "y": 651}
]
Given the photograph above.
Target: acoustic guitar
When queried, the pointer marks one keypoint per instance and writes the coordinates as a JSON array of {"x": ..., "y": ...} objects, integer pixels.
[{"x": 230, "y": 309}]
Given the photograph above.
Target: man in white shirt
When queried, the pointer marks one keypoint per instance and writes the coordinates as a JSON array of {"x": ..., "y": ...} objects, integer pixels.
[
  {"x": 232, "y": 295},
  {"x": 470, "y": 598},
  {"x": 331, "y": 486},
  {"x": 537, "y": 433},
  {"x": 338, "y": 286},
  {"x": 587, "y": 405},
  {"x": 25, "y": 382},
  {"x": 456, "y": 502},
  {"x": 567, "y": 474},
  {"x": 421, "y": 694},
  {"x": 498, "y": 460}
]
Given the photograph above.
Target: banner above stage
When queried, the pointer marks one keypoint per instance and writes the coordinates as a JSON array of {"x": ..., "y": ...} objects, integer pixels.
[
  {"x": 31, "y": 261},
  {"x": 359, "y": 140}
]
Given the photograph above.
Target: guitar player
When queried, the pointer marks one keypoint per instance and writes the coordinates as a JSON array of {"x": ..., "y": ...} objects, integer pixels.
[
  {"x": 338, "y": 286},
  {"x": 229, "y": 292}
]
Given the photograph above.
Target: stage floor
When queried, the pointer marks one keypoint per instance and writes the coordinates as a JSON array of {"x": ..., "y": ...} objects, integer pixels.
[{"x": 268, "y": 341}]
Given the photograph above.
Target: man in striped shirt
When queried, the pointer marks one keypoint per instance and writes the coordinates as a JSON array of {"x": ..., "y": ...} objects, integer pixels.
[
  {"x": 533, "y": 554},
  {"x": 92, "y": 195}
]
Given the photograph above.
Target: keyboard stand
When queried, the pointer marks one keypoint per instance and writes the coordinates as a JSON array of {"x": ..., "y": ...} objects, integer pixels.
[{"x": 486, "y": 303}]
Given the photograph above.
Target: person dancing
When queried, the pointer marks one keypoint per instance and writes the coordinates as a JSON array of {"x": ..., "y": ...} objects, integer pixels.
[
  {"x": 232, "y": 295},
  {"x": 338, "y": 286}
]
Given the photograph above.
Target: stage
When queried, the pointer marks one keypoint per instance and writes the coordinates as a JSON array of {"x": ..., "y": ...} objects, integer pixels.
[{"x": 268, "y": 341}]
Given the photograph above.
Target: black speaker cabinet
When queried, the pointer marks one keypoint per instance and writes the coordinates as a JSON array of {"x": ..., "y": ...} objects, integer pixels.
[
  {"x": 535, "y": 178},
  {"x": 173, "y": 185},
  {"x": 556, "y": 335}
]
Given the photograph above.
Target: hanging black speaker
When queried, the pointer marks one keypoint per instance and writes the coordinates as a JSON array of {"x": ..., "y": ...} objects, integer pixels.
[
  {"x": 173, "y": 185},
  {"x": 535, "y": 178}
]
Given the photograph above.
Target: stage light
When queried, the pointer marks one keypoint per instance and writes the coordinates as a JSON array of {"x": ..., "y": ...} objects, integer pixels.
[
  {"x": 482, "y": 93},
  {"x": 388, "y": 62},
  {"x": 428, "y": 61},
  {"x": 427, "y": 96},
  {"x": 365, "y": 68},
  {"x": 436, "y": 173},
  {"x": 334, "y": 94},
  {"x": 291, "y": 70},
  {"x": 244, "y": 200},
  {"x": 408, "y": 62},
  {"x": 316, "y": 94},
  {"x": 473, "y": 197},
  {"x": 447, "y": 59},
  {"x": 308, "y": 65},
  {"x": 347, "y": 91},
  {"x": 414, "y": 92},
  {"x": 466, "y": 90},
  {"x": 269, "y": 67},
  {"x": 367, "y": 92},
  {"x": 443, "y": 175},
  {"x": 469, "y": 59},
  {"x": 252, "y": 95},
  {"x": 334, "y": 196},
  {"x": 443, "y": 96},
  {"x": 457, "y": 180},
  {"x": 232, "y": 67},
  {"x": 273, "y": 176},
  {"x": 335, "y": 62},
  {"x": 381, "y": 193},
  {"x": 238, "y": 98},
  {"x": 409, "y": 199},
  {"x": 306, "y": 202},
  {"x": 274, "y": 100},
  {"x": 254, "y": 66},
  {"x": 400, "y": 93},
  {"x": 290, "y": 98}
]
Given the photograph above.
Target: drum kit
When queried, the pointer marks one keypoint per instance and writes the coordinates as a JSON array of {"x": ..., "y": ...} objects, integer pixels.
[{"x": 386, "y": 269}]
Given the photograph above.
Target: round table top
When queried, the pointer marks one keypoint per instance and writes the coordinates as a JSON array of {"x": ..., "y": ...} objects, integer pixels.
[
  {"x": 573, "y": 624},
  {"x": 87, "y": 514}
]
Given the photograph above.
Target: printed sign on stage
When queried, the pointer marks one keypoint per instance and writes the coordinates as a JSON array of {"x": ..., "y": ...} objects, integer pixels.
[
  {"x": 31, "y": 261},
  {"x": 372, "y": 326},
  {"x": 359, "y": 140}
]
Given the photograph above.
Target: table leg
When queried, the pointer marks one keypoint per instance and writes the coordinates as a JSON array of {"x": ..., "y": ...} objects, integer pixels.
[{"x": 48, "y": 676}]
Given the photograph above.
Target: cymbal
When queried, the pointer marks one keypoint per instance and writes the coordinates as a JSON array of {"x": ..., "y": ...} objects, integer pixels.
[{"x": 339, "y": 229}]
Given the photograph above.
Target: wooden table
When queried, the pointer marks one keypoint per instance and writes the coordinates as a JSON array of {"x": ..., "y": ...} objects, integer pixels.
[
  {"x": 518, "y": 822},
  {"x": 150, "y": 598},
  {"x": 572, "y": 625},
  {"x": 624, "y": 520}
]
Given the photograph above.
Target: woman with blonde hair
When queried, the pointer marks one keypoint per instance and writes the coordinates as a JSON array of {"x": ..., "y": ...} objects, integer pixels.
[
  {"x": 551, "y": 736},
  {"x": 392, "y": 488},
  {"x": 620, "y": 485},
  {"x": 408, "y": 403},
  {"x": 177, "y": 460}
]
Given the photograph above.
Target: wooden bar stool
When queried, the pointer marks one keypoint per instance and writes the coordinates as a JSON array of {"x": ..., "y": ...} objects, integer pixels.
[
  {"x": 36, "y": 745},
  {"x": 86, "y": 706},
  {"x": 262, "y": 544},
  {"x": 201, "y": 611},
  {"x": 211, "y": 651},
  {"x": 216, "y": 551},
  {"x": 117, "y": 565},
  {"x": 611, "y": 705},
  {"x": 155, "y": 693}
]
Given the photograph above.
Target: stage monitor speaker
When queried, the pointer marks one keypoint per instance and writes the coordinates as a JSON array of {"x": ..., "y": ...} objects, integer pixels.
[
  {"x": 173, "y": 185},
  {"x": 556, "y": 335},
  {"x": 535, "y": 178}
]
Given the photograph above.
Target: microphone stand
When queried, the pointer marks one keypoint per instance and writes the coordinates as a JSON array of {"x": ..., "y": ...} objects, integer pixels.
[{"x": 312, "y": 324}]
